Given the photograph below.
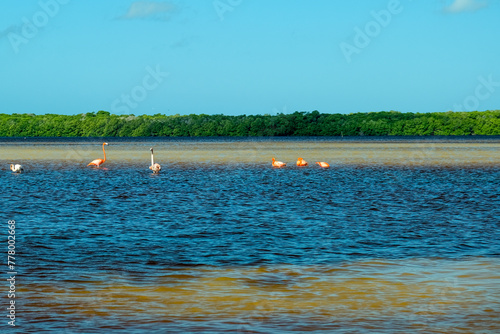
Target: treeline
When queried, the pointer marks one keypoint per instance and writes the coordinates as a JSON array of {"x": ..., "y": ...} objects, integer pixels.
[{"x": 384, "y": 123}]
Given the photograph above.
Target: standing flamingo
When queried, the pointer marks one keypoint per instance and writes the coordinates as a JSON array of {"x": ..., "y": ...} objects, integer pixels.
[
  {"x": 301, "y": 162},
  {"x": 156, "y": 168},
  {"x": 278, "y": 163},
  {"x": 99, "y": 162},
  {"x": 16, "y": 168},
  {"x": 323, "y": 164}
]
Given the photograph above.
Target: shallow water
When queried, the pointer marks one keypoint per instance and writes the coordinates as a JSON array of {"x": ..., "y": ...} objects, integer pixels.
[
  {"x": 391, "y": 151},
  {"x": 397, "y": 236}
]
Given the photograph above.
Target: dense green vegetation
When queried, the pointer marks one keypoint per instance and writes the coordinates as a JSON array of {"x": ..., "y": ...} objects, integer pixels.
[{"x": 393, "y": 123}]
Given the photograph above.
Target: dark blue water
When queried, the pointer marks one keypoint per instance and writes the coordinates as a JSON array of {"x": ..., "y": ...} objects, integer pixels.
[
  {"x": 83, "y": 231},
  {"x": 248, "y": 215}
]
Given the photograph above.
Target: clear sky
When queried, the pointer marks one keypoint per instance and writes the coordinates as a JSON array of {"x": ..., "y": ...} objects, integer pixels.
[{"x": 248, "y": 56}]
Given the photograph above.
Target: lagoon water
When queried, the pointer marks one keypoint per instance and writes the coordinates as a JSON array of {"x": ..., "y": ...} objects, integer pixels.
[{"x": 398, "y": 236}]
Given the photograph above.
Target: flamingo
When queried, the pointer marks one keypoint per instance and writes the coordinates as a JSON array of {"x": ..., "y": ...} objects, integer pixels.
[
  {"x": 301, "y": 162},
  {"x": 17, "y": 168},
  {"x": 323, "y": 164},
  {"x": 99, "y": 162},
  {"x": 156, "y": 168},
  {"x": 278, "y": 163}
]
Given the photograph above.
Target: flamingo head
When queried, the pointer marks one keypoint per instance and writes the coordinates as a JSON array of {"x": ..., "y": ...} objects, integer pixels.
[
  {"x": 151, "y": 149},
  {"x": 274, "y": 160},
  {"x": 11, "y": 167},
  {"x": 105, "y": 143}
]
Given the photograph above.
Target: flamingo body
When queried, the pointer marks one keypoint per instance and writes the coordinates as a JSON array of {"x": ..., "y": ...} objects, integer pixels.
[
  {"x": 301, "y": 162},
  {"x": 99, "y": 162},
  {"x": 96, "y": 162},
  {"x": 278, "y": 163},
  {"x": 323, "y": 164},
  {"x": 17, "y": 168},
  {"x": 156, "y": 168}
]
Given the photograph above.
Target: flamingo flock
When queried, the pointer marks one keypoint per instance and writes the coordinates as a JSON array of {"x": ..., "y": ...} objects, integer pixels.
[
  {"x": 300, "y": 163},
  {"x": 156, "y": 167}
]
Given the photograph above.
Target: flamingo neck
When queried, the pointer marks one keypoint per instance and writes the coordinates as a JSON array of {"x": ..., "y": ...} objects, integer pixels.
[
  {"x": 152, "y": 159},
  {"x": 103, "y": 151}
]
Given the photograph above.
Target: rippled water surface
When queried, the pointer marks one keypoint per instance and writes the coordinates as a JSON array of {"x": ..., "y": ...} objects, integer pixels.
[{"x": 397, "y": 236}]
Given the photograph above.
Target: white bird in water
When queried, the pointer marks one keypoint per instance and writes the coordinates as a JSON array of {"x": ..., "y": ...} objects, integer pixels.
[
  {"x": 156, "y": 168},
  {"x": 16, "y": 168}
]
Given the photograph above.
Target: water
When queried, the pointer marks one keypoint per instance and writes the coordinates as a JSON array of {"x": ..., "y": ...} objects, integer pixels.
[{"x": 397, "y": 236}]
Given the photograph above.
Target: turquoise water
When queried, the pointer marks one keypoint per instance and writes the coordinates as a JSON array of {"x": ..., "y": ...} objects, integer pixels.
[{"x": 397, "y": 236}]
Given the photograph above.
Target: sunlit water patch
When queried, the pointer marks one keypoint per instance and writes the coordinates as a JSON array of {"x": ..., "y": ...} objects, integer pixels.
[{"x": 427, "y": 295}]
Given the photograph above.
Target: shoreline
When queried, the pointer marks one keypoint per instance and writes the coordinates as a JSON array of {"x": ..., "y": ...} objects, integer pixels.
[{"x": 378, "y": 139}]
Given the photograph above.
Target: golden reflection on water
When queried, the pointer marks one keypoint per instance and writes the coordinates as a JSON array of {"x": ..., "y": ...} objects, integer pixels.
[
  {"x": 334, "y": 152},
  {"x": 416, "y": 289}
]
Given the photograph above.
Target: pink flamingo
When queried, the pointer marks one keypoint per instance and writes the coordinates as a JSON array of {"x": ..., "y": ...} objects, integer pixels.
[
  {"x": 278, "y": 163},
  {"x": 301, "y": 162},
  {"x": 99, "y": 162},
  {"x": 323, "y": 164},
  {"x": 156, "y": 168}
]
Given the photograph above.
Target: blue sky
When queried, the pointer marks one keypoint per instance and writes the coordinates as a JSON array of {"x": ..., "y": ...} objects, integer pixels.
[{"x": 248, "y": 57}]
